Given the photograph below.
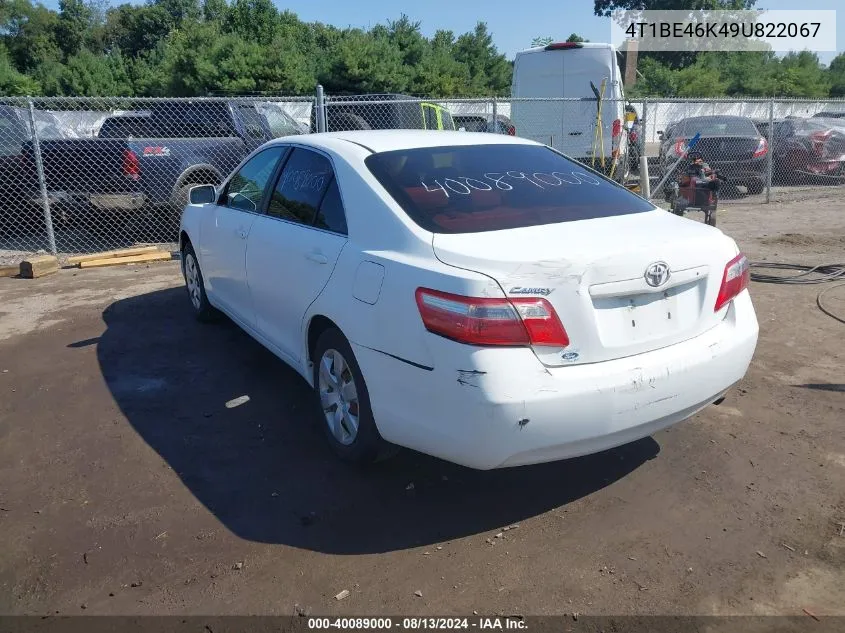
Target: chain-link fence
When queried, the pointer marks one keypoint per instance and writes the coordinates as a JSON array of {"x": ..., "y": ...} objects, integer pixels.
[
  {"x": 80, "y": 175},
  {"x": 89, "y": 175}
]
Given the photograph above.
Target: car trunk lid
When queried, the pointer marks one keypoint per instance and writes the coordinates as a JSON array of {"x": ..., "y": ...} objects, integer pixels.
[{"x": 594, "y": 273}]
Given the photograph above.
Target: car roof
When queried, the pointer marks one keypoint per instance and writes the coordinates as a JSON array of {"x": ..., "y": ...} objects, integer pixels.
[{"x": 389, "y": 140}]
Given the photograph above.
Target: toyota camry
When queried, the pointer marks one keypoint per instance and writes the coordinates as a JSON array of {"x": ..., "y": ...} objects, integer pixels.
[{"x": 477, "y": 297}]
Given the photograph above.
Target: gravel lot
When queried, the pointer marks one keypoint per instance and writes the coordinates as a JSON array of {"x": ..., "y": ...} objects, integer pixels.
[{"x": 128, "y": 487}]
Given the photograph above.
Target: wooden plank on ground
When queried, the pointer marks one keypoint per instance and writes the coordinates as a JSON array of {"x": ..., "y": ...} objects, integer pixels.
[
  {"x": 38, "y": 266},
  {"x": 121, "y": 252},
  {"x": 132, "y": 259},
  {"x": 10, "y": 271}
]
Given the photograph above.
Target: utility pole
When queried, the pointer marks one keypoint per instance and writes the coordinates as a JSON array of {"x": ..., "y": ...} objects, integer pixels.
[{"x": 631, "y": 48}]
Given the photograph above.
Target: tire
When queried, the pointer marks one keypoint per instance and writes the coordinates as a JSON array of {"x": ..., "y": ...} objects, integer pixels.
[
  {"x": 339, "y": 386},
  {"x": 344, "y": 121},
  {"x": 755, "y": 187},
  {"x": 203, "y": 310}
]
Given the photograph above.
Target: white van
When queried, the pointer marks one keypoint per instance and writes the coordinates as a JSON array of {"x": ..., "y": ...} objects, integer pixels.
[{"x": 565, "y": 70}]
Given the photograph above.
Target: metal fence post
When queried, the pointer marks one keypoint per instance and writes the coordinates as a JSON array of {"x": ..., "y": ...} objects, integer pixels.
[
  {"x": 645, "y": 181},
  {"x": 320, "y": 110},
  {"x": 42, "y": 182},
  {"x": 495, "y": 117},
  {"x": 769, "y": 161}
]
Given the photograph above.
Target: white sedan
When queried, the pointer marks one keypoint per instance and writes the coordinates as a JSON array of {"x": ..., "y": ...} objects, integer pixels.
[{"x": 477, "y": 297}]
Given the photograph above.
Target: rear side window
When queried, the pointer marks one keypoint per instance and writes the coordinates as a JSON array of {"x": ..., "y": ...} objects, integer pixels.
[
  {"x": 475, "y": 188},
  {"x": 301, "y": 187},
  {"x": 331, "y": 215}
]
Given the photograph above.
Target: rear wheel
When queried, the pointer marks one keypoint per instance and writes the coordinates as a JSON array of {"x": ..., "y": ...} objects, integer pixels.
[
  {"x": 203, "y": 310},
  {"x": 344, "y": 402}
]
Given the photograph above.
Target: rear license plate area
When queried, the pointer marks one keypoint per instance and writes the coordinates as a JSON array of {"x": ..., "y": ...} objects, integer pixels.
[{"x": 639, "y": 317}]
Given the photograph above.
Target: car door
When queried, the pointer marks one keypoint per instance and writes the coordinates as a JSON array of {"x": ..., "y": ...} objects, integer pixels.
[
  {"x": 225, "y": 229},
  {"x": 293, "y": 248}
]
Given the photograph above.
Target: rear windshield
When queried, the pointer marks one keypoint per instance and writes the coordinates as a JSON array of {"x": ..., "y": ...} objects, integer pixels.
[
  {"x": 475, "y": 188},
  {"x": 716, "y": 126}
]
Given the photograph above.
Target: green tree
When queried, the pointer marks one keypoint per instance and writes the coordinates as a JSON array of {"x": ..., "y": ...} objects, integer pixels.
[
  {"x": 215, "y": 10},
  {"x": 574, "y": 37},
  {"x": 542, "y": 41},
  {"x": 29, "y": 34},
  {"x": 836, "y": 76},
  {"x": 439, "y": 73},
  {"x": 253, "y": 20},
  {"x": 489, "y": 71},
  {"x": 12, "y": 82},
  {"x": 90, "y": 75},
  {"x": 366, "y": 64},
  {"x": 74, "y": 24},
  {"x": 603, "y": 8}
]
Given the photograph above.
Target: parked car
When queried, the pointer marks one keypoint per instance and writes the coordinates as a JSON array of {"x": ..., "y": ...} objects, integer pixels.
[
  {"x": 572, "y": 70},
  {"x": 828, "y": 114},
  {"x": 153, "y": 157},
  {"x": 731, "y": 145},
  {"x": 484, "y": 123},
  {"x": 383, "y": 112},
  {"x": 806, "y": 149},
  {"x": 551, "y": 311}
]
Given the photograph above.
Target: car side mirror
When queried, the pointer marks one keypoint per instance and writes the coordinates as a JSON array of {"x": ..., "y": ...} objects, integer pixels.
[
  {"x": 202, "y": 194},
  {"x": 660, "y": 135}
]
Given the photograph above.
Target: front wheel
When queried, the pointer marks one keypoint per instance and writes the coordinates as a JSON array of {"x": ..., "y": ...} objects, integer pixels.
[{"x": 344, "y": 402}]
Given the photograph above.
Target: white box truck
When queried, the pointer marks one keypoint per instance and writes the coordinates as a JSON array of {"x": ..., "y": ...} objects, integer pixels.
[{"x": 572, "y": 70}]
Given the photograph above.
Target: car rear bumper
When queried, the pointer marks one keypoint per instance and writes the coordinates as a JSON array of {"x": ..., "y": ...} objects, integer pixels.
[
  {"x": 490, "y": 408},
  {"x": 742, "y": 169}
]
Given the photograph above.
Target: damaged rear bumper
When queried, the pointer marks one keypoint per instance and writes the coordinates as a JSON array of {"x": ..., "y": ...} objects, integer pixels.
[{"x": 488, "y": 408}]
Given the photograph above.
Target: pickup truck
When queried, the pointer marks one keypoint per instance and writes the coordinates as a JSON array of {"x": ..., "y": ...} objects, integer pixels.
[
  {"x": 18, "y": 180},
  {"x": 151, "y": 158}
]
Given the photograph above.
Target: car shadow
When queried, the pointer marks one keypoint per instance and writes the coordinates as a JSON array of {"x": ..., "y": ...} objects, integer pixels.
[{"x": 262, "y": 466}]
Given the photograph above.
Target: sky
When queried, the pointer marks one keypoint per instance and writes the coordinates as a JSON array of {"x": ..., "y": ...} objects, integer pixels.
[{"x": 512, "y": 24}]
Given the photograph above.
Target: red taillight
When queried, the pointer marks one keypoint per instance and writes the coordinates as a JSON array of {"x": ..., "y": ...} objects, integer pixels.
[
  {"x": 818, "y": 140},
  {"x": 616, "y": 128},
  {"x": 734, "y": 280},
  {"x": 511, "y": 130},
  {"x": 679, "y": 146},
  {"x": 633, "y": 136},
  {"x": 558, "y": 46},
  {"x": 486, "y": 321},
  {"x": 762, "y": 147},
  {"x": 131, "y": 165}
]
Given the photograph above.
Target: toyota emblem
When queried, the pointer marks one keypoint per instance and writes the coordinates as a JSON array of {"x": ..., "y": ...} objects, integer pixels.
[{"x": 657, "y": 274}]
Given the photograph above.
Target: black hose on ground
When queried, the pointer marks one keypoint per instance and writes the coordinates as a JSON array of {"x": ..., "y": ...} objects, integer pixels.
[{"x": 806, "y": 275}]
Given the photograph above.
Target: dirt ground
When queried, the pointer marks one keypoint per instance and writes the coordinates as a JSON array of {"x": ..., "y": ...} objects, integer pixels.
[{"x": 128, "y": 487}]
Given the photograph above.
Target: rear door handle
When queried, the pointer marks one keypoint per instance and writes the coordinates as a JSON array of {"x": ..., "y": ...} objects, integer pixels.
[
  {"x": 242, "y": 233},
  {"x": 318, "y": 257}
]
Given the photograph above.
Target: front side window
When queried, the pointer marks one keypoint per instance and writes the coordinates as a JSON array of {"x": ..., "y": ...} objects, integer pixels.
[
  {"x": 474, "y": 188},
  {"x": 246, "y": 188},
  {"x": 301, "y": 186}
]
